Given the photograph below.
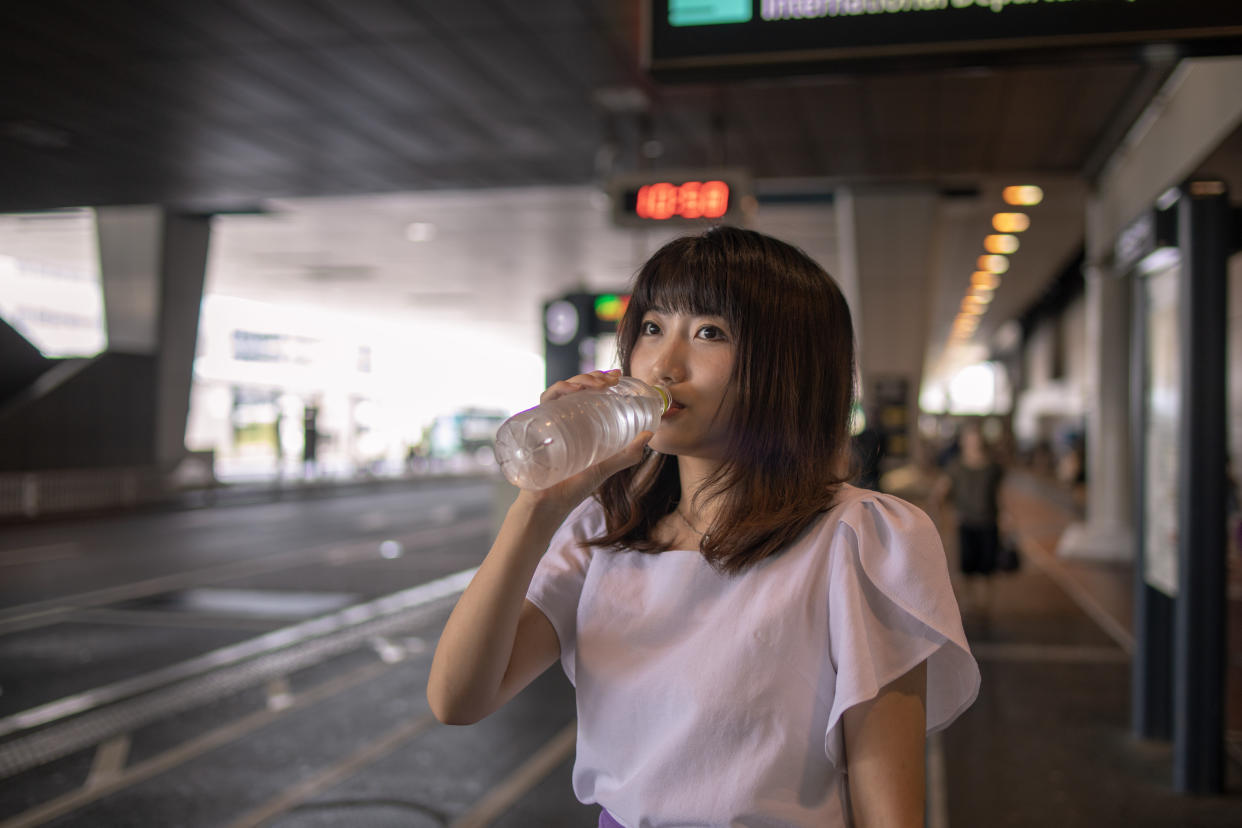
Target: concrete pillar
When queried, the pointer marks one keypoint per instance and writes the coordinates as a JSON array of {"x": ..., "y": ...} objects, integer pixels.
[
  {"x": 129, "y": 269},
  {"x": 896, "y": 236},
  {"x": 846, "y": 273},
  {"x": 152, "y": 266},
  {"x": 1106, "y": 534}
]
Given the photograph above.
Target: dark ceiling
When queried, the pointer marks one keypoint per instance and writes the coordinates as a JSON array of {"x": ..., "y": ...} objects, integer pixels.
[{"x": 218, "y": 105}]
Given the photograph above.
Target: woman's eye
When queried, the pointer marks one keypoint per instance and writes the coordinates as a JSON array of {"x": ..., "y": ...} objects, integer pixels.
[
  {"x": 711, "y": 332},
  {"x": 650, "y": 328}
]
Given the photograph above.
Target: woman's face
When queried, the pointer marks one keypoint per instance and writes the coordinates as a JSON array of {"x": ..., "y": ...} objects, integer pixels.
[{"x": 693, "y": 357}]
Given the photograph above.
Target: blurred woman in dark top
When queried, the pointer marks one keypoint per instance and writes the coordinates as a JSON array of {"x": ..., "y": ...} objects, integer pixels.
[{"x": 972, "y": 483}]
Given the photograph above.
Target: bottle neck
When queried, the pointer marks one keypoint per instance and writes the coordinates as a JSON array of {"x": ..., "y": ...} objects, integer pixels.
[{"x": 634, "y": 387}]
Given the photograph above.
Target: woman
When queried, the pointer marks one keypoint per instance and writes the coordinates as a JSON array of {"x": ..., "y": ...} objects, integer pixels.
[
  {"x": 973, "y": 483},
  {"x": 740, "y": 626}
]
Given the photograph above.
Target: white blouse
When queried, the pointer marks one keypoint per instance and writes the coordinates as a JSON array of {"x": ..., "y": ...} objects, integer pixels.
[{"x": 707, "y": 699}]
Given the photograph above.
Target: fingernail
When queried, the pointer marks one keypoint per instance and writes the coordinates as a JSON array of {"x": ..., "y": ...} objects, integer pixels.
[{"x": 615, "y": 372}]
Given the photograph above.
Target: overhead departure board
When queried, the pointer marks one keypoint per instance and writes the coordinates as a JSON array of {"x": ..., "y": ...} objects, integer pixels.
[{"x": 702, "y": 39}]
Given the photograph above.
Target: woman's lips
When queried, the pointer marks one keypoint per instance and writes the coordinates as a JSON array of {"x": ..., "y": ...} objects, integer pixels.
[{"x": 674, "y": 408}]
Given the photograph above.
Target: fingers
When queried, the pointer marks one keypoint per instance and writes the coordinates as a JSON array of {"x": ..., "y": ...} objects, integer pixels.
[{"x": 595, "y": 380}]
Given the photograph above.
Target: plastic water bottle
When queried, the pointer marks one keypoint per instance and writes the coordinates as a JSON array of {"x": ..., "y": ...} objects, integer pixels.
[{"x": 542, "y": 446}]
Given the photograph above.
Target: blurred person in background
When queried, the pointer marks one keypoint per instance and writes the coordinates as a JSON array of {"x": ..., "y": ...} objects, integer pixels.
[
  {"x": 971, "y": 484},
  {"x": 868, "y": 449},
  {"x": 741, "y": 626},
  {"x": 310, "y": 440}
]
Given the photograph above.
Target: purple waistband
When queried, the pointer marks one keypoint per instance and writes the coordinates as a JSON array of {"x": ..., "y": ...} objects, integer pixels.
[{"x": 606, "y": 820}]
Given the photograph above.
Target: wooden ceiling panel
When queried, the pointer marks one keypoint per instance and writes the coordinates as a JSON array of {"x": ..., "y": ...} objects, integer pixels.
[
  {"x": 229, "y": 87},
  {"x": 221, "y": 25},
  {"x": 509, "y": 66},
  {"x": 466, "y": 17},
  {"x": 288, "y": 94},
  {"x": 386, "y": 19},
  {"x": 298, "y": 21},
  {"x": 578, "y": 58},
  {"x": 1086, "y": 116},
  {"x": 967, "y": 121},
  {"x": 446, "y": 74},
  {"x": 366, "y": 69}
]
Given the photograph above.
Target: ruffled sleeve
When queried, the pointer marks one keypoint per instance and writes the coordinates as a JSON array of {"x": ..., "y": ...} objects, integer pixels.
[
  {"x": 557, "y": 583},
  {"x": 891, "y": 606}
]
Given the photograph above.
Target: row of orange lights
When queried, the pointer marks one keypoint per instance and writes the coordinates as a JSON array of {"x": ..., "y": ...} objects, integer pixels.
[{"x": 995, "y": 262}]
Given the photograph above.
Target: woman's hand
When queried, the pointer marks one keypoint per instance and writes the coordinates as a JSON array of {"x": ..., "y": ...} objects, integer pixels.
[
  {"x": 564, "y": 496},
  {"x": 496, "y": 642}
]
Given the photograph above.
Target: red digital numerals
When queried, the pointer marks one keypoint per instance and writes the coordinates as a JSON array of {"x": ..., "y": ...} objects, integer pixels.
[{"x": 691, "y": 200}]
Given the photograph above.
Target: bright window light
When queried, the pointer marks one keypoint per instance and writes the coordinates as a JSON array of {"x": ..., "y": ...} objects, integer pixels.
[
  {"x": 60, "y": 311},
  {"x": 933, "y": 398},
  {"x": 973, "y": 389}
]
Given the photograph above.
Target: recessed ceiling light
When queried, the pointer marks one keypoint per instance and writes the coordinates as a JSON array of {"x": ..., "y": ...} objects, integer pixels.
[
  {"x": 1011, "y": 222},
  {"x": 993, "y": 264},
  {"x": 1001, "y": 243},
  {"x": 1024, "y": 196},
  {"x": 984, "y": 280},
  {"x": 420, "y": 231}
]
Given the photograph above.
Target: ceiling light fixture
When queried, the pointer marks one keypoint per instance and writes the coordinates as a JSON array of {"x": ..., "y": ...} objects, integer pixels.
[
  {"x": 420, "y": 231},
  {"x": 1023, "y": 196},
  {"x": 1011, "y": 222},
  {"x": 993, "y": 264},
  {"x": 1002, "y": 243},
  {"x": 984, "y": 280}
]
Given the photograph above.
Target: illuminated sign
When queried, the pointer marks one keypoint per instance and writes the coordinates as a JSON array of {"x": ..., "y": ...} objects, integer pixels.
[
  {"x": 609, "y": 307},
  {"x": 708, "y": 12},
  {"x": 703, "y": 40},
  {"x": 686, "y": 197}
]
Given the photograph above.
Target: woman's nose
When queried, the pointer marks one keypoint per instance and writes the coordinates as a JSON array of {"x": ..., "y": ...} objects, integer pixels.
[{"x": 669, "y": 367}]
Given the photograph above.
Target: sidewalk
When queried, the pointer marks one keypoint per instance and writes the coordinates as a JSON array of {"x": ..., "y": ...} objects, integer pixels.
[{"x": 1048, "y": 741}]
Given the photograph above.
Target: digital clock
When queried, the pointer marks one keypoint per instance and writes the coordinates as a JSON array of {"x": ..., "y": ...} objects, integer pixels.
[
  {"x": 689, "y": 200},
  {"x": 680, "y": 198}
]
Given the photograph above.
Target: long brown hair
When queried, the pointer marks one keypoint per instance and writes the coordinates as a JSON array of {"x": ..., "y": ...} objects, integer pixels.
[{"x": 794, "y": 374}]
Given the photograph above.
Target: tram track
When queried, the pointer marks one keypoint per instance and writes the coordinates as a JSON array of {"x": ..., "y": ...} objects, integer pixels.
[
  {"x": 335, "y": 554},
  {"x": 54, "y": 610},
  {"x": 198, "y": 746},
  {"x": 94, "y": 754},
  {"x": 71, "y": 724}
]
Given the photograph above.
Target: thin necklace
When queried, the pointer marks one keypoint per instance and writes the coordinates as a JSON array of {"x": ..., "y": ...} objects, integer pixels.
[{"x": 706, "y": 537}]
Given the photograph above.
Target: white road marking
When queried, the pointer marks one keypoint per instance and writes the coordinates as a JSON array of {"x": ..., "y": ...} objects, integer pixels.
[
  {"x": 110, "y": 759},
  {"x": 1080, "y": 595},
  {"x": 233, "y": 654},
  {"x": 279, "y": 693},
  {"x": 20, "y": 616}
]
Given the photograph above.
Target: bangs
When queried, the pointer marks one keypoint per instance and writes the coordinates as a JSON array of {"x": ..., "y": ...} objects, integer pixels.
[{"x": 682, "y": 278}]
